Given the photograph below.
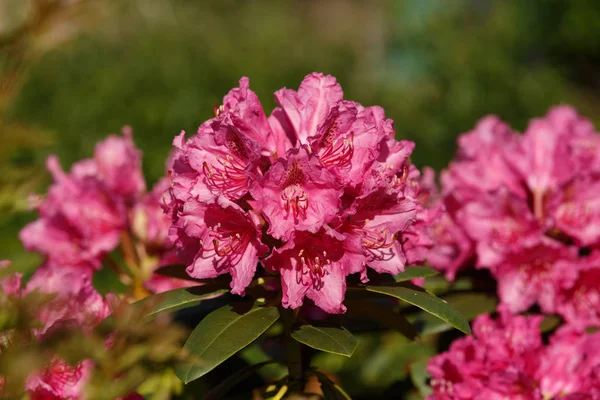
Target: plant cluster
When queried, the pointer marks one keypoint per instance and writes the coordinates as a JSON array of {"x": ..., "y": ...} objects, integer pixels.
[{"x": 294, "y": 226}]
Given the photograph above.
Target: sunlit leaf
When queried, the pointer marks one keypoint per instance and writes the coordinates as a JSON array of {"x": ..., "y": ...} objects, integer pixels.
[
  {"x": 427, "y": 302},
  {"x": 221, "y": 334},
  {"x": 178, "y": 299},
  {"x": 470, "y": 305}
]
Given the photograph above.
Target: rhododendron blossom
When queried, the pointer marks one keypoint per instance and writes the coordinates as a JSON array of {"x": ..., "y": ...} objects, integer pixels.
[
  {"x": 75, "y": 305},
  {"x": 217, "y": 238},
  {"x": 76, "y": 302},
  {"x": 79, "y": 221},
  {"x": 506, "y": 358},
  {"x": 321, "y": 185},
  {"x": 529, "y": 207},
  {"x": 91, "y": 211}
]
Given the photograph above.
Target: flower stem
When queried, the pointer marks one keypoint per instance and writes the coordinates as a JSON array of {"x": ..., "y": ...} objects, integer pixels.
[{"x": 297, "y": 376}]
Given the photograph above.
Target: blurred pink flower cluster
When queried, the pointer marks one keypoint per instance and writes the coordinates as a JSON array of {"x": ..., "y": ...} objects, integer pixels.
[
  {"x": 318, "y": 190},
  {"x": 507, "y": 359},
  {"x": 526, "y": 207},
  {"x": 76, "y": 305},
  {"x": 102, "y": 204}
]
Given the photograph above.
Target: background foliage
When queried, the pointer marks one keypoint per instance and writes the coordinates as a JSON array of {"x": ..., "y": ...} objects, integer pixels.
[{"x": 82, "y": 69}]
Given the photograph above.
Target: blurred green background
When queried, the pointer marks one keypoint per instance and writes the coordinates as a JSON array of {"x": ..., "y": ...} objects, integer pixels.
[{"x": 73, "y": 71}]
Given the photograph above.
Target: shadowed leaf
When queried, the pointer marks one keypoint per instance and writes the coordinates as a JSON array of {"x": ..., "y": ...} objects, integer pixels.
[{"x": 332, "y": 340}]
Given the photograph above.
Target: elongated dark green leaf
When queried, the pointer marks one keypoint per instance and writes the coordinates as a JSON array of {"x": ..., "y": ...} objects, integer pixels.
[
  {"x": 179, "y": 299},
  {"x": 332, "y": 340},
  {"x": 427, "y": 302},
  {"x": 384, "y": 316},
  {"x": 219, "y": 391},
  {"x": 415, "y": 272},
  {"x": 470, "y": 305},
  {"x": 221, "y": 334}
]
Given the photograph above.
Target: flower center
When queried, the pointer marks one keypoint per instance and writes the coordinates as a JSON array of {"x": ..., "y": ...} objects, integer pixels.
[
  {"x": 374, "y": 239},
  {"x": 295, "y": 201},
  {"x": 225, "y": 242},
  {"x": 313, "y": 266},
  {"x": 337, "y": 152},
  {"x": 225, "y": 175}
]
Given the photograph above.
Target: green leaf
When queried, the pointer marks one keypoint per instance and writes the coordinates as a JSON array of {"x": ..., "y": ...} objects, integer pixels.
[
  {"x": 470, "y": 305},
  {"x": 221, "y": 334},
  {"x": 219, "y": 391},
  {"x": 384, "y": 316},
  {"x": 179, "y": 299},
  {"x": 415, "y": 272},
  {"x": 428, "y": 302},
  {"x": 332, "y": 340},
  {"x": 419, "y": 375}
]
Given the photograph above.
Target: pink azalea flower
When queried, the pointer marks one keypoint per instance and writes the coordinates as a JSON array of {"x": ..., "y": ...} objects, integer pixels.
[
  {"x": 150, "y": 223},
  {"x": 570, "y": 365},
  {"x": 577, "y": 213},
  {"x": 391, "y": 168},
  {"x": 10, "y": 285},
  {"x": 582, "y": 140},
  {"x": 528, "y": 203},
  {"x": 499, "y": 361},
  {"x": 218, "y": 238},
  {"x": 499, "y": 224},
  {"x": 311, "y": 265},
  {"x": 534, "y": 275},
  {"x": 371, "y": 226},
  {"x": 76, "y": 304},
  {"x": 59, "y": 381},
  {"x": 119, "y": 166},
  {"x": 307, "y": 108},
  {"x": 283, "y": 133},
  {"x": 318, "y": 167},
  {"x": 247, "y": 114},
  {"x": 452, "y": 247},
  {"x": 578, "y": 300},
  {"x": 151, "y": 227},
  {"x": 347, "y": 141},
  {"x": 506, "y": 358},
  {"x": 76, "y": 301},
  {"x": 79, "y": 221},
  {"x": 480, "y": 165},
  {"x": 217, "y": 161},
  {"x": 297, "y": 193}
]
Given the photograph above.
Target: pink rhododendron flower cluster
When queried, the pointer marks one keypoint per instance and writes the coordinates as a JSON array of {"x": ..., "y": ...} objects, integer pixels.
[
  {"x": 90, "y": 211},
  {"x": 526, "y": 208},
  {"x": 76, "y": 304},
  {"x": 506, "y": 359},
  {"x": 318, "y": 190}
]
